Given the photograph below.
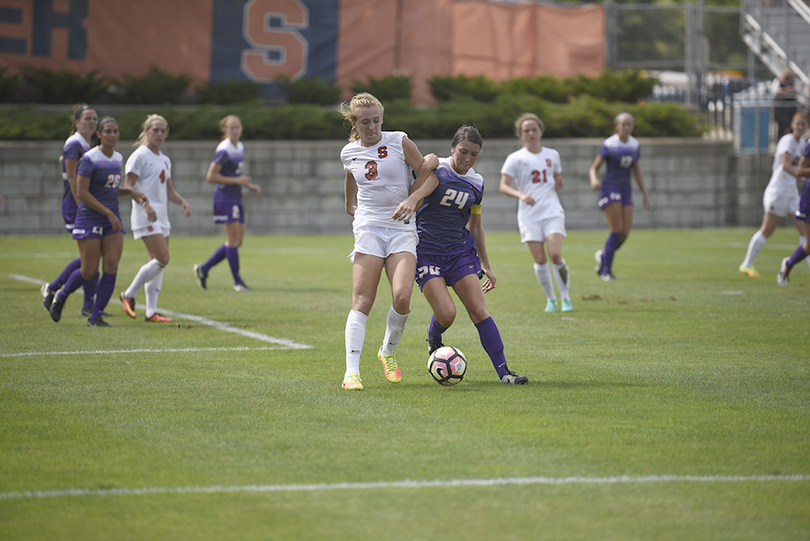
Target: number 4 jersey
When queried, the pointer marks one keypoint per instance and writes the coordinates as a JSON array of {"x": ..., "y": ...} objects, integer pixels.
[
  {"x": 534, "y": 174},
  {"x": 383, "y": 179},
  {"x": 442, "y": 219}
]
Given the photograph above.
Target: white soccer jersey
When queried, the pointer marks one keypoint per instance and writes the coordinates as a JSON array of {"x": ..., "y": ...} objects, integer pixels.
[
  {"x": 782, "y": 184},
  {"x": 383, "y": 180},
  {"x": 534, "y": 174},
  {"x": 153, "y": 171}
]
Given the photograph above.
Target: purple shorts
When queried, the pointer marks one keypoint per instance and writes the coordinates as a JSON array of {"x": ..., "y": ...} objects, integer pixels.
[
  {"x": 94, "y": 226},
  {"x": 614, "y": 194},
  {"x": 228, "y": 208},
  {"x": 69, "y": 213},
  {"x": 803, "y": 214},
  {"x": 452, "y": 267}
]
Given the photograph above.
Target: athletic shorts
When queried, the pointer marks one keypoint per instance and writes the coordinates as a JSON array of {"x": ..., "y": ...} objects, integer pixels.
[
  {"x": 95, "y": 226},
  {"x": 780, "y": 204},
  {"x": 539, "y": 230},
  {"x": 613, "y": 194},
  {"x": 160, "y": 227},
  {"x": 228, "y": 208},
  {"x": 452, "y": 267},
  {"x": 383, "y": 241}
]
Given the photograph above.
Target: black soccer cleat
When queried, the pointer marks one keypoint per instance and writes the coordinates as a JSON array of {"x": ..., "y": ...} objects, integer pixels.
[
  {"x": 47, "y": 297},
  {"x": 514, "y": 379},
  {"x": 98, "y": 322},
  {"x": 56, "y": 308},
  {"x": 433, "y": 345},
  {"x": 201, "y": 276},
  {"x": 88, "y": 313}
]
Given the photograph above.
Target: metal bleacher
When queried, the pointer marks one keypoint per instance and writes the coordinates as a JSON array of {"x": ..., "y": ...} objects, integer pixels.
[{"x": 778, "y": 33}]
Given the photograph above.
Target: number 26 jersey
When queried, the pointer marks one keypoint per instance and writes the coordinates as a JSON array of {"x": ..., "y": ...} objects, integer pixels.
[{"x": 383, "y": 179}]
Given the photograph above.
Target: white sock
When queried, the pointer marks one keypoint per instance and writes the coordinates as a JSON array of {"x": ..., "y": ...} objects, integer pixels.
[
  {"x": 563, "y": 285},
  {"x": 146, "y": 273},
  {"x": 152, "y": 290},
  {"x": 756, "y": 243},
  {"x": 544, "y": 277},
  {"x": 394, "y": 328},
  {"x": 355, "y": 336}
]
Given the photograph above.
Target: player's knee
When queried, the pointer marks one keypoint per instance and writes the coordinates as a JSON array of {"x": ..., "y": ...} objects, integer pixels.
[{"x": 556, "y": 257}]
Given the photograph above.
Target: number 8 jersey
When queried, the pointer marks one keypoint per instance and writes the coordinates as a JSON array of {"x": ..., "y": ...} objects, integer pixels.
[
  {"x": 383, "y": 179},
  {"x": 534, "y": 174}
]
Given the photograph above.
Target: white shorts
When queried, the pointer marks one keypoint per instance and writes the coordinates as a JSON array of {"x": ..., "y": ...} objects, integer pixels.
[
  {"x": 155, "y": 228},
  {"x": 780, "y": 204},
  {"x": 539, "y": 230},
  {"x": 383, "y": 241}
]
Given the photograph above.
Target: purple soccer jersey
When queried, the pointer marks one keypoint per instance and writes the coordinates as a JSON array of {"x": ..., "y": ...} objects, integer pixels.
[
  {"x": 75, "y": 147},
  {"x": 446, "y": 247},
  {"x": 105, "y": 175},
  {"x": 619, "y": 158},
  {"x": 230, "y": 157}
]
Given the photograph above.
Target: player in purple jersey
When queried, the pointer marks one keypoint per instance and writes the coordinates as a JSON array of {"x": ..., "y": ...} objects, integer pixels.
[
  {"x": 226, "y": 172},
  {"x": 379, "y": 166},
  {"x": 802, "y": 219},
  {"x": 781, "y": 196},
  {"x": 84, "y": 127},
  {"x": 621, "y": 154},
  {"x": 98, "y": 229},
  {"x": 149, "y": 170},
  {"x": 452, "y": 250}
]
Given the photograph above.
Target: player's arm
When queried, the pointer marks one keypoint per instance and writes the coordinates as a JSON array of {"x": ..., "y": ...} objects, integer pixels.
[
  {"x": 350, "y": 189},
  {"x": 506, "y": 188},
  {"x": 215, "y": 176},
  {"x": 71, "y": 165},
  {"x": 787, "y": 166},
  {"x": 593, "y": 172},
  {"x": 175, "y": 197},
  {"x": 558, "y": 181},
  {"x": 640, "y": 181},
  {"x": 424, "y": 184},
  {"x": 476, "y": 227},
  {"x": 129, "y": 188},
  {"x": 803, "y": 169}
]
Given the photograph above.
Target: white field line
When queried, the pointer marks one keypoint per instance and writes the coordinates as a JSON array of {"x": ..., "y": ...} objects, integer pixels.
[
  {"x": 145, "y": 350},
  {"x": 289, "y": 344},
  {"x": 104, "y": 492}
]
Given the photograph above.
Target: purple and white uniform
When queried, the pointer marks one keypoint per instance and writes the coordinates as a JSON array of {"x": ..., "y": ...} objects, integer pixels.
[
  {"x": 446, "y": 247},
  {"x": 620, "y": 158},
  {"x": 75, "y": 147},
  {"x": 105, "y": 175},
  {"x": 803, "y": 214},
  {"x": 228, "y": 206}
]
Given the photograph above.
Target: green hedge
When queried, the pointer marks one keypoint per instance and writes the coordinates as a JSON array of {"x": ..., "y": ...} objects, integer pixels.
[{"x": 585, "y": 116}]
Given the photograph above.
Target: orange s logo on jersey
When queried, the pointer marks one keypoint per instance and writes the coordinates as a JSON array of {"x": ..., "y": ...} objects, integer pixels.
[{"x": 382, "y": 152}]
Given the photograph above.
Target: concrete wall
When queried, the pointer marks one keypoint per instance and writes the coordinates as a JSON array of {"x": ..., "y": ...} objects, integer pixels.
[{"x": 692, "y": 183}]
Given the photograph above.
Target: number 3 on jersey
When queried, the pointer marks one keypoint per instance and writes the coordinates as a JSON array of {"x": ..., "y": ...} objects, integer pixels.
[{"x": 371, "y": 170}]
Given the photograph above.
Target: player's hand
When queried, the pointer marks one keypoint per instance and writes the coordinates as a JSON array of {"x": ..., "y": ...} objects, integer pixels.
[
  {"x": 558, "y": 183},
  {"x": 405, "y": 210},
  {"x": 489, "y": 283},
  {"x": 596, "y": 185},
  {"x": 184, "y": 206},
  {"x": 351, "y": 210},
  {"x": 255, "y": 188},
  {"x": 432, "y": 161},
  {"x": 115, "y": 222},
  {"x": 528, "y": 199},
  {"x": 647, "y": 204},
  {"x": 151, "y": 215}
]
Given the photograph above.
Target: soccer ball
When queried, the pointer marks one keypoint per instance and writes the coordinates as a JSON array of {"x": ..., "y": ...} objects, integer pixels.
[{"x": 447, "y": 365}]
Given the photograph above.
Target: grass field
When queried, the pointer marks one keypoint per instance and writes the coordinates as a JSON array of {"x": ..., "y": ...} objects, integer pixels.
[{"x": 671, "y": 404}]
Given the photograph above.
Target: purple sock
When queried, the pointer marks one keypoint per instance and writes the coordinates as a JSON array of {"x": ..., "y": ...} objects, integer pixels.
[
  {"x": 215, "y": 258},
  {"x": 57, "y": 284},
  {"x": 90, "y": 292},
  {"x": 74, "y": 282},
  {"x": 493, "y": 345},
  {"x": 233, "y": 260},
  {"x": 612, "y": 244},
  {"x": 797, "y": 256},
  {"x": 106, "y": 285},
  {"x": 435, "y": 329}
]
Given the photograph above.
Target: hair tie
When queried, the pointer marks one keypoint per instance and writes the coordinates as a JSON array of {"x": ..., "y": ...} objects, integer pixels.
[{"x": 79, "y": 111}]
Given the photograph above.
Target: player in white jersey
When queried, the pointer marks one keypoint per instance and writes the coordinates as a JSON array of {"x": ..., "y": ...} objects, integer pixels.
[
  {"x": 149, "y": 170},
  {"x": 537, "y": 172},
  {"x": 781, "y": 196},
  {"x": 379, "y": 195}
]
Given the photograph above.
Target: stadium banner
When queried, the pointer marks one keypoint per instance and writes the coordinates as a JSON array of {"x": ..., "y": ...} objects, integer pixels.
[{"x": 344, "y": 41}]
